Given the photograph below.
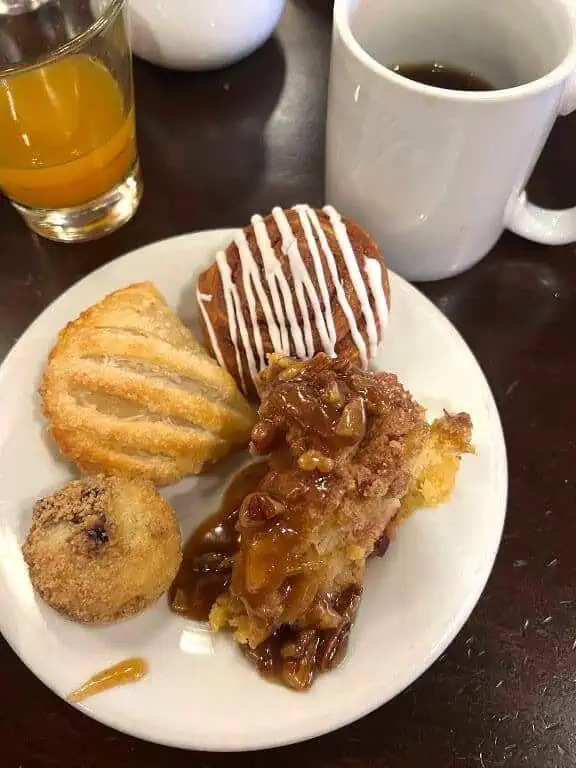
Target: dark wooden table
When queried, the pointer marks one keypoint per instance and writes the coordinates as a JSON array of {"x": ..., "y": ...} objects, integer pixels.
[{"x": 217, "y": 147}]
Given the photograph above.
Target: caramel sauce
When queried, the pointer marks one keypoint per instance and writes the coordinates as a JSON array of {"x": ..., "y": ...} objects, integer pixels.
[
  {"x": 206, "y": 569},
  {"x": 127, "y": 671},
  {"x": 295, "y": 657},
  {"x": 289, "y": 656},
  {"x": 257, "y": 545}
]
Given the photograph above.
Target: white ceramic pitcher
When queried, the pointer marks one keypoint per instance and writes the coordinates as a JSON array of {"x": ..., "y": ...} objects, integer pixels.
[{"x": 201, "y": 34}]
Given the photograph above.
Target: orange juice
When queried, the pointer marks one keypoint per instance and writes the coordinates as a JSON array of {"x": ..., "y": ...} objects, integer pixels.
[{"x": 65, "y": 135}]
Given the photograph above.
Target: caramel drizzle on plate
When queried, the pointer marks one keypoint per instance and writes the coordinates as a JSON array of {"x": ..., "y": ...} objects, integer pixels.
[{"x": 127, "y": 671}]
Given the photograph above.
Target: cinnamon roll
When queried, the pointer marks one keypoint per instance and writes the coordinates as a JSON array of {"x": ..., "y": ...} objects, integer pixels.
[{"x": 297, "y": 282}]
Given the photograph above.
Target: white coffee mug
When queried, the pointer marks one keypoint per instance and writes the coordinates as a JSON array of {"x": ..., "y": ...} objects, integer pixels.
[{"x": 436, "y": 175}]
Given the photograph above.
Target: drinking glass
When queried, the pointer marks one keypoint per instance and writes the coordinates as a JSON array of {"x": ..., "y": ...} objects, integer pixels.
[{"x": 68, "y": 158}]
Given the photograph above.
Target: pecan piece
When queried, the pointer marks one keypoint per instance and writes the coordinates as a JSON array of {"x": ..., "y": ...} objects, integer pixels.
[
  {"x": 266, "y": 436},
  {"x": 352, "y": 424},
  {"x": 299, "y": 667},
  {"x": 348, "y": 601},
  {"x": 312, "y": 460},
  {"x": 257, "y": 509},
  {"x": 334, "y": 646}
]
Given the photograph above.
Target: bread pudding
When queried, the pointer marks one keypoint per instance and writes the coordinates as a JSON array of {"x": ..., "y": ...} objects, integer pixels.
[{"x": 348, "y": 452}]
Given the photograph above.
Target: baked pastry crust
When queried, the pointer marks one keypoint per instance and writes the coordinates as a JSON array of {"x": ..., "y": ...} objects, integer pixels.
[
  {"x": 297, "y": 282},
  {"x": 128, "y": 390}
]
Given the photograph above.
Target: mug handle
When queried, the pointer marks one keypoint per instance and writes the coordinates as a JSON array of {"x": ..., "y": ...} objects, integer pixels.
[{"x": 543, "y": 225}]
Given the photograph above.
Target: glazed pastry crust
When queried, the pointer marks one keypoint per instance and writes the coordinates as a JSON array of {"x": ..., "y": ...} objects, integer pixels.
[{"x": 129, "y": 390}]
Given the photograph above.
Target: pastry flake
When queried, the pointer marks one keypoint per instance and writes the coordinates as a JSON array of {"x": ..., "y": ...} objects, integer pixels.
[{"x": 128, "y": 390}]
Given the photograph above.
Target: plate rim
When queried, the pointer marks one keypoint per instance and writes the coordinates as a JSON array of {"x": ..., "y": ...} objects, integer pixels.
[{"x": 466, "y": 608}]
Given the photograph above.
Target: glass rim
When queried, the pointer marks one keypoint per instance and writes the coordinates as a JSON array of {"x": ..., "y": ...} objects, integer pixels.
[{"x": 70, "y": 46}]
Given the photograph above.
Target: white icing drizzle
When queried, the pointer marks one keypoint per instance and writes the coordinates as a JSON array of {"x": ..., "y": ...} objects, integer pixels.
[
  {"x": 290, "y": 249},
  {"x": 303, "y": 281},
  {"x": 278, "y": 333},
  {"x": 206, "y": 298},
  {"x": 227, "y": 286},
  {"x": 244, "y": 336},
  {"x": 307, "y": 217},
  {"x": 355, "y": 331},
  {"x": 374, "y": 273},
  {"x": 356, "y": 277},
  {"x": 287, "y": 331},
  {"x": 249, "y": 276},
  {"x": 274, "y": 277}
]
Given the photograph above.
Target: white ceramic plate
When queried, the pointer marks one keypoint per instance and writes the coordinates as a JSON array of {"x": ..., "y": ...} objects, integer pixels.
[{"x": 200, "y": 692}]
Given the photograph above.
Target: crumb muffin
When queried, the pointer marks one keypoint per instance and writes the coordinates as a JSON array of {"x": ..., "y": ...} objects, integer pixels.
[{"x": 102, "y": 548}]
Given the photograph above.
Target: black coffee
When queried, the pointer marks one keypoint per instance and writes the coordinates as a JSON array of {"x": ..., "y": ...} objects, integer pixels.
[{"x": 442, "y": 76}]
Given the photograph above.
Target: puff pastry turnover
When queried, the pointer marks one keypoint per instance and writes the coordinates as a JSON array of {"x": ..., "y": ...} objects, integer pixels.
[{"x": 129, "y": 390}]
